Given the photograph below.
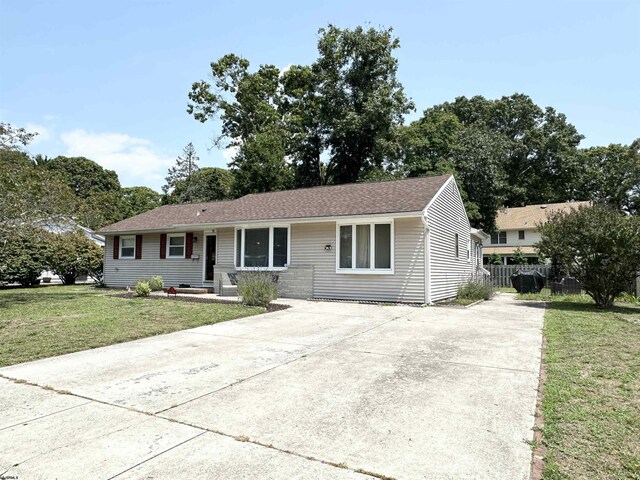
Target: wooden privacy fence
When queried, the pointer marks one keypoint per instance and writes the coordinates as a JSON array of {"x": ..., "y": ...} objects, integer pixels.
[{"x": 501, "y": 274}]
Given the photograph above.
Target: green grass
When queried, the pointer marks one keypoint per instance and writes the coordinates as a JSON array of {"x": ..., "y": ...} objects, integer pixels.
[
  {"x": 48, "y": 321},
  {"x": 592, "y": 392}
]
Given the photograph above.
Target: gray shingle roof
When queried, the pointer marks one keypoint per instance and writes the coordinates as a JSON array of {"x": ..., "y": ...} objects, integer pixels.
[{"x": 395, "y": 196}]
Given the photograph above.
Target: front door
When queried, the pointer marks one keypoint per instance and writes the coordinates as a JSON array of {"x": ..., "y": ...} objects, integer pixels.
[{"x": 210, "y": 257}]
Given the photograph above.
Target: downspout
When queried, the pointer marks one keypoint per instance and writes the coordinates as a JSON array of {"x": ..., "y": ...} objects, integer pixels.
[{"x": 427, "y": 260}]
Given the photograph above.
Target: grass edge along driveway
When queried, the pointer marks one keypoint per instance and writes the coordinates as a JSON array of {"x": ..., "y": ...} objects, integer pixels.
[
  {"x": 591, "y": 402},
  {"x": 48, "y": 321}
]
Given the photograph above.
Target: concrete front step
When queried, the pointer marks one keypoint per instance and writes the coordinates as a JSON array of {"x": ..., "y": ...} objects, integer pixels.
[{"x": 192, "y": 290}]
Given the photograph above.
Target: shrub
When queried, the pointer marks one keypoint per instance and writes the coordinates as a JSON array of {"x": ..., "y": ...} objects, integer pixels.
[
  {"x": 23, "y": 256},
  {"x": 627, "y": 297},
  {"x": 257, "y": 288},
  {"x": 72, "y": 254},
  {"x": 143, "y": 289},
  {"x": 476, "y": 290},
  {"x": 156, "y": 283},
  {"x": 598, "y": 245}
]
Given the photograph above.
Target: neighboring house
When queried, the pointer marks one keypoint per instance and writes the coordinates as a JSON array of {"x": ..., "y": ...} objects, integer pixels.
[
  {"x": 517, "y": 227},
  {"x": 69, "y": 227},
  {"x": 401, "y": 241}
]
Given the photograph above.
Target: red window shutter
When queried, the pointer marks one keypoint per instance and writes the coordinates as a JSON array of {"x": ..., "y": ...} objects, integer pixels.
[
  {"x": 188, "y": 248},
  {"x": 116, "y": 247},
  {"x": 138, "y": 247},
  {"x": 163, "y": 246}
]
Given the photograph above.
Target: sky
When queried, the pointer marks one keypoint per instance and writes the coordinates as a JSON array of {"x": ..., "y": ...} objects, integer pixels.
[{"x": 109, "y": 80}]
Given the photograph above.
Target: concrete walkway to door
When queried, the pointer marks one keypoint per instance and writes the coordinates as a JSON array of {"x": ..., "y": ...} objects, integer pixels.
[{"x": 321, "y": 390}]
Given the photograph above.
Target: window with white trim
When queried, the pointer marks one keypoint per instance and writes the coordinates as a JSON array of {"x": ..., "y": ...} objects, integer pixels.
[
  {"x": 128, "y": 247},
  {"x": 365, "y": 247},
  {"x": 263, "y": 247},
  {"x": 175, "y": 246},
  {"x": 498, "y": 237}
]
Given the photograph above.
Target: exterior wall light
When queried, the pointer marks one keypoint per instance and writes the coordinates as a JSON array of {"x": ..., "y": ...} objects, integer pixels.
[{"x": 328, "y": 247}]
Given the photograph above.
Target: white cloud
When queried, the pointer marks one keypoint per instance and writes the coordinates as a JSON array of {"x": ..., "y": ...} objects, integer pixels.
[
  {"x": 135, "y": 160},
  {"x": 44, "y": 134},
  {"x": 285, "y": 69},
  {"x": 229, "y": 153}
]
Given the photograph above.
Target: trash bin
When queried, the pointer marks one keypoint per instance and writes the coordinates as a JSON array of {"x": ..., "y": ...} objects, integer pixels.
[{"x": 527, "y": 281}]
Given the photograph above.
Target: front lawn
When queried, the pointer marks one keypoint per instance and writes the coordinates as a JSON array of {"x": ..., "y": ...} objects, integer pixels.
[
  {"x": 591, "y": 400},
  {"x": 48, "y": 321}
]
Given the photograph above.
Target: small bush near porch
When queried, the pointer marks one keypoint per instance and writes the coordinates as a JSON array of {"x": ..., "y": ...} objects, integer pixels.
[{"x": 48, "y": 321}]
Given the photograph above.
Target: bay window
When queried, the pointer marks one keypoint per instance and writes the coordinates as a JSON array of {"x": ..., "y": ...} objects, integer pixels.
[
  {"x": 266, "y": 247},
  {"x": 365, "y": 248}
]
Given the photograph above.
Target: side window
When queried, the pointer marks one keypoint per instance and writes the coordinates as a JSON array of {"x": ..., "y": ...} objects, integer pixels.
[{"x": 520, "y": 234}]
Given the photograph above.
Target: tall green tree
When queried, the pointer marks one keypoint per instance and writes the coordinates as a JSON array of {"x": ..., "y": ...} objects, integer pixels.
[
  {"x": 14, "y": 138},
  {"x": 29, "y": 196},
  {"x": 439, "y": 143},
  {"x": 85, "y": 177},
  {"x": 207, "y": 185},
  {"x": 611, "y": 175},
  {"x": 260, "y": 165},
  {"x": 362, "y": 101},
  {"x": 540, "y": 162},
  {"x": 183, "y": 170},
  {"x": 337, "y": 119},
  {"x": 137, "y": 200},
  {"x": 301, "y": 104},
  {"x": 248, "y": 105}
]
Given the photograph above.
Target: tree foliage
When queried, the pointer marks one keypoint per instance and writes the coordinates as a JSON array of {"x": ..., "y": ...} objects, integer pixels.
[
  {"x": 260, "y": 165},
  {"x": 611, "y": 175},
  {"x": 362, "y": 101},
  {"x": 137, "y": 200},
  {"x": 72, "y": 254},
  {"x": 208, "y": 184},
  {"x": 598, "y": 245},
  {"x": 346, "y": 107},
  {"x": 182, "y": 172},
  {"x": 23, "y": 255},
  {"x": 29, "y": 195},
  {"x": 14, "y": 138},
  {"x": 85, "y": 177}
]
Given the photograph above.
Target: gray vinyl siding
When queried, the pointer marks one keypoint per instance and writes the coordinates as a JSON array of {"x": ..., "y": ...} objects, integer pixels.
[
  {"x": 126, "y": 272},
  {"x": 446, "y": 217},
  {"x": 226, "y": 256},
  {"x": 406, "y": 284}
]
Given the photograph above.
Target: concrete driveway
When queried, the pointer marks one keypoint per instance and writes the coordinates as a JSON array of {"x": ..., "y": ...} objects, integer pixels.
[{"x": 322, "y": 390}]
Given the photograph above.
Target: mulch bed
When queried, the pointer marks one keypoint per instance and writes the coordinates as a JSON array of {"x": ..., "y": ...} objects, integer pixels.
[{"x": 273, "y": 307}]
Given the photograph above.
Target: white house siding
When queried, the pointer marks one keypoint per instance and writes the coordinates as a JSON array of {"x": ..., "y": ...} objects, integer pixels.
[
  {"x": 406, "y": 284},
  {"x": 531, "y": 237},
  {"x": 126, "y": 272},
  {"x": 446, "y": 216}
]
